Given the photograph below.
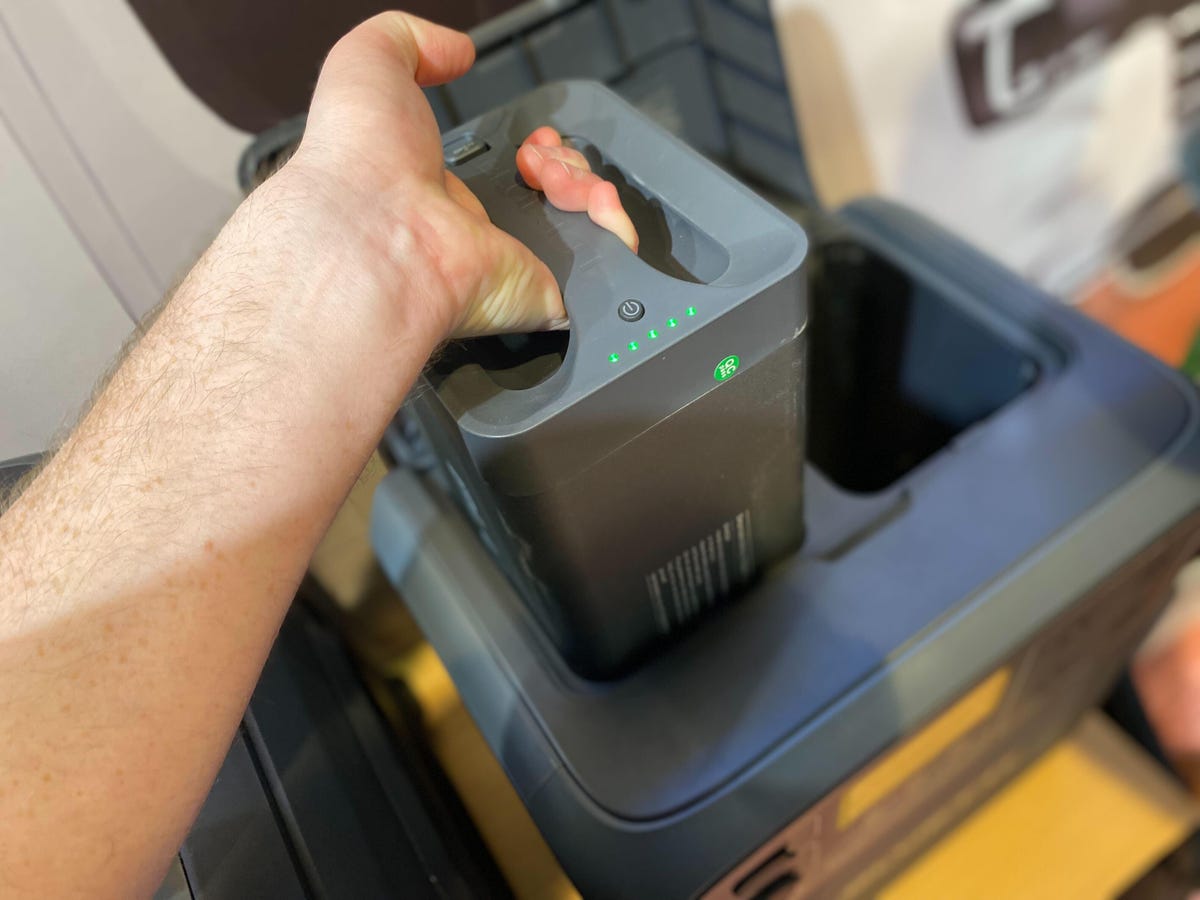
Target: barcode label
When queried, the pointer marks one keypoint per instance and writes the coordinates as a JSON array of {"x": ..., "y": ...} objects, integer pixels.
[{"x": 703, "y": 574}]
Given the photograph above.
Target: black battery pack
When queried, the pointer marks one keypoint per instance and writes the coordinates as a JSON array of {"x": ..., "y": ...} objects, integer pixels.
[{"x": 639, "y": 470}]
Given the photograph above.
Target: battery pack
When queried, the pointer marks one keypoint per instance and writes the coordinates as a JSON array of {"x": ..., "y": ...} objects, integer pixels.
[{"x": 633, "y": 473}]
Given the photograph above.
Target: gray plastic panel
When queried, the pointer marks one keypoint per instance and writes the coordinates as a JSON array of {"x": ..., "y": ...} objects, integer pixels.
[
  {"x": 320, "y": 791},
  {"x": 579, "y": 44},
  {"x": 441, "y": 111},
  {"x": 174, "y": 886},
  {"x": 520, "y": 18},
  {"x": 645, "y": 26},
  {"x": 733, "y": 35},
  {"x": 494, "y": 79},
  {"x": 772, "y": 163},
  {"x": 674, "y": 90},
  {"x": 759, "y": 8},
  {"x": 62, "y": 323},
  {"x": 236, "y": 846},
  {"x": 746, "y": 99}
]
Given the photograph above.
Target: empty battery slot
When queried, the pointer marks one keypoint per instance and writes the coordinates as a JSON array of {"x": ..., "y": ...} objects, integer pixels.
[{"x": 896, "y": 371}]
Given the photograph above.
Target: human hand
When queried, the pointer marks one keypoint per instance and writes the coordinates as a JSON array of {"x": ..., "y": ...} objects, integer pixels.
[
  {"x": 399, "y": 222},
  {"x": 565, "y": 176}
]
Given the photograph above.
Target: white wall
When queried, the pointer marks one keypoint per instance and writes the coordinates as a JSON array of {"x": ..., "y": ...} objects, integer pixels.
[
  {"x": 113, "y": 178},
  {"x": 60, "y": 324}
]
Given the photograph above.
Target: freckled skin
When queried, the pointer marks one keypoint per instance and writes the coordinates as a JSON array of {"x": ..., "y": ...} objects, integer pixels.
[{"x": 145, "y": 572}]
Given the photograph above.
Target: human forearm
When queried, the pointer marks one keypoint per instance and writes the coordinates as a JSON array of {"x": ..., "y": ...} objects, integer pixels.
[{"x": 165, "y": 540}]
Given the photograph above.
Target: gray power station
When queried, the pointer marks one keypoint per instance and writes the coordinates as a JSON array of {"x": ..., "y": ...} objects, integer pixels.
[{"x": 997, "y": 494}]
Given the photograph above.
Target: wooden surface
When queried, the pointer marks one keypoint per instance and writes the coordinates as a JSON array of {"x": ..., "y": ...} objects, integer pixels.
[{"x": 1085, "y": 821}]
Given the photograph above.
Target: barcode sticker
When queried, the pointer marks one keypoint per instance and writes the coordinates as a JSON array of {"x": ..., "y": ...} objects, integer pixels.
[{"x": 703, "y": 574}]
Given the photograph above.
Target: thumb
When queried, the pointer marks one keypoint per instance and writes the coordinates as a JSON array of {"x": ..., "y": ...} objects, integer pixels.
[
  {"x": 391, "y": 44},
  {"x": 518, "y": 294},
  {"x": 368, "y": 92}
]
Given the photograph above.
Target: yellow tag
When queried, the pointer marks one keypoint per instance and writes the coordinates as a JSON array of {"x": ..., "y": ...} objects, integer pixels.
[{"x": 920, "y": 749}]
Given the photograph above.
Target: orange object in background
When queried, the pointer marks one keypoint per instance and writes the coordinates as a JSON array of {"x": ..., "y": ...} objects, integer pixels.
[
  {"x": 1150, "y": 292},
  {"x": 1163, "y": 321}
]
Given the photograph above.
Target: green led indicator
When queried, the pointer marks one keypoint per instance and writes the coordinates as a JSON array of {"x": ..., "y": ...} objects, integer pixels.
[
  {"x": 614, "y": 357},
  {"x": 726, "y": 367},
  {"x": 652, "y": 334},
  {"x": 671, "y": 323},
  {"x": 691, "y": 310},
  {"x": 633, "y": 345}
]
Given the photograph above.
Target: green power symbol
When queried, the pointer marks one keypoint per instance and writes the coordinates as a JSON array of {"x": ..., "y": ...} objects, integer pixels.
[{"x": 726, "y": 367}]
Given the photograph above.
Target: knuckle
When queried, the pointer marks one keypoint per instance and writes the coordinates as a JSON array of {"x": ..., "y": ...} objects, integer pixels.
[{"x": 388, "y": 33}]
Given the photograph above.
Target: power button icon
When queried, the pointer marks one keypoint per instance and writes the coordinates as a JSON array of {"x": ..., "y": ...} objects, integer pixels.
[{"x": 631, "y": 310}]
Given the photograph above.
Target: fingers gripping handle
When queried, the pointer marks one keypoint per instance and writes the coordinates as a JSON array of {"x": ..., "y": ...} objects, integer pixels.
[{"x": 591, "y": 265}]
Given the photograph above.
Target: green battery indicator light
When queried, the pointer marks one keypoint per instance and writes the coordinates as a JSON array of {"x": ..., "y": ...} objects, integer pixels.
[
  {"x": 633, "y": 345},
  {"x": 691, "y": 310},
  {"x": 614, "y": 357},
  {"x": 671, "y": 323},
  {"x": 652, "y": 334}
]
